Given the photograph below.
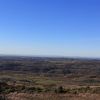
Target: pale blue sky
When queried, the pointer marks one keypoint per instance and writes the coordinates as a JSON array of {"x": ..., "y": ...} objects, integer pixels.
[{"x": 50, "y": 27}]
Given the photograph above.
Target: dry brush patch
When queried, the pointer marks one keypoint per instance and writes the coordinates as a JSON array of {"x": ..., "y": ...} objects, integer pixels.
[{"x": 48, "y": 96}]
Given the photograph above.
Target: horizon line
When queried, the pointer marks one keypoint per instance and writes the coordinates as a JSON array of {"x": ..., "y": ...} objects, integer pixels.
[{"x": 50, "y": 56}]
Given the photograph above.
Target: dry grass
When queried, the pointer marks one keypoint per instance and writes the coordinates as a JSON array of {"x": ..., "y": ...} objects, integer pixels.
[{"x": 46, "y": 96}]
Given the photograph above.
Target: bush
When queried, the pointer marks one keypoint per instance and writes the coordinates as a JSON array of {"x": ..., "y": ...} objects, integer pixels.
[
  {"x": 3, "y": 97},
  {"x": 60, "y": 90},
  {"x": 38, "y": 89}
]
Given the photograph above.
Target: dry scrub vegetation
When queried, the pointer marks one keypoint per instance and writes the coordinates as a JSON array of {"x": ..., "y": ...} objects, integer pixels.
[
  {"x": 49, "y": 79},
  {"x": 24, "y": 96}
]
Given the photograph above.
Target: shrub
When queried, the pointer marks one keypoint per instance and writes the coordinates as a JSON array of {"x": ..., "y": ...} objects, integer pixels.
[
  {"x": 3, "y": 97},
  {"x": 38, "y": 89},
  {"x": 60, "y": 89}
]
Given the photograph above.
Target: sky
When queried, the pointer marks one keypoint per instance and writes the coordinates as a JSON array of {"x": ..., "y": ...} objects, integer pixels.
[{"x": 69, "y": 28}]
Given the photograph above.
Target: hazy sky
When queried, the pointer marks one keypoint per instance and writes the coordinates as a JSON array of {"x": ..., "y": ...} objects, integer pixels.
[{"x": 50, "y": 27}]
